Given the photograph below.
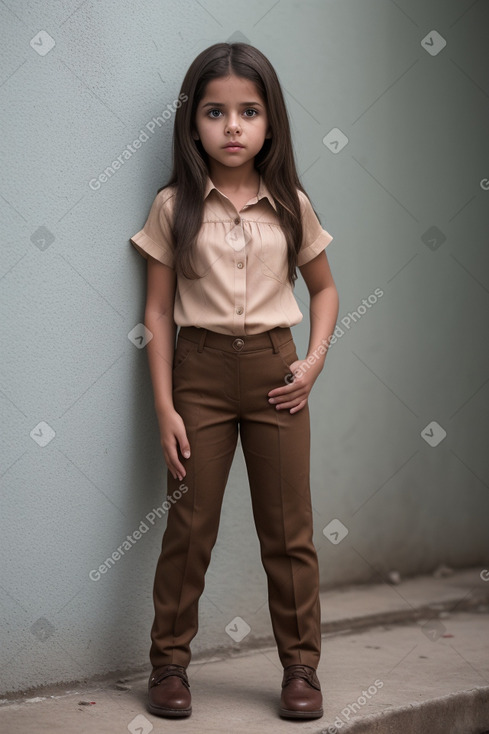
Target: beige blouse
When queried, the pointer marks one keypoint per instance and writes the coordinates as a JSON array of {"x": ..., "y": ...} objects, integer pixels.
[{"x": 242, "y": 257}]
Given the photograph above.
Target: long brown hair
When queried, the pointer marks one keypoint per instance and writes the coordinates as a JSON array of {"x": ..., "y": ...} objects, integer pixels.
[{"x": 275, "y": 161}]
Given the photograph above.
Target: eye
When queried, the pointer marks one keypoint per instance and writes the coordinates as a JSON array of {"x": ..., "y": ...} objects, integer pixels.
[
  {"x": 210, "y": 113},
  {"x": 255, "y": 112}
]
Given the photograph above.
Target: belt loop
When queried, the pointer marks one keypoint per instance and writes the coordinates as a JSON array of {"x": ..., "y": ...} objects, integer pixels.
[
  {"x": 202, "y": 340},
  {"x": 274, "y": 338}
]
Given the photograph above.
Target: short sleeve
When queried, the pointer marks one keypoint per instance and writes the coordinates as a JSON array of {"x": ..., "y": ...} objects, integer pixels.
[
  {"x": 314, "y": 237},
  {"x": 156, "y": 238}
]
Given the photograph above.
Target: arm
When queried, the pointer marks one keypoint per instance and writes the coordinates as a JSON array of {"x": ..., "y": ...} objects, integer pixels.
[
  {"x": 158, "y": 318},
  {"x": 324, "y": 307}
]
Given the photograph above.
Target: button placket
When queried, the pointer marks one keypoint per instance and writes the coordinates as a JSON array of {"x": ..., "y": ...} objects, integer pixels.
[
  {"x": 237, "y": 238},
  {"x": 239, "y": 286}
]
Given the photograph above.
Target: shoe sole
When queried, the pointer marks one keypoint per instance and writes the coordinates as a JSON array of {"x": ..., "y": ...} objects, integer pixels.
[
  {"x": 171, "y": 713},
  {"x": 289, "y": 714}
]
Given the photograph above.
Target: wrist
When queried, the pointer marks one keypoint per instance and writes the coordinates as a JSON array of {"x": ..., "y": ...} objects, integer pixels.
[
  {"x": 165, "y": 408},
  {"x": 315, "y": 361}
]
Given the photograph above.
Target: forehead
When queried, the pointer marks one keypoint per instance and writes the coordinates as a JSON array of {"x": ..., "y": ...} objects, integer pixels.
[{"x": 234, "y": 88}]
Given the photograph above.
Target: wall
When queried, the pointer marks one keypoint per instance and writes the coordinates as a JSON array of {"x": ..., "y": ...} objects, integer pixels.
[{"x": 406, "y": 199}]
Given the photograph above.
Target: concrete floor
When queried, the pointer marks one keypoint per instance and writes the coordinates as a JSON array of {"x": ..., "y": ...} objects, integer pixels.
[{"x": 411, "y": 658}]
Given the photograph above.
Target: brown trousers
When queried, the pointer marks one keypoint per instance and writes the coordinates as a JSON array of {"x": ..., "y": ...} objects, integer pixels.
[{"x": 220, "y": 382}]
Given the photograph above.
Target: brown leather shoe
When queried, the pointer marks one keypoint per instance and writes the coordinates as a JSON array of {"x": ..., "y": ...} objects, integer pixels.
[
  {"x": 301, "y": 693},
  {"x": 169, "y": 692}
]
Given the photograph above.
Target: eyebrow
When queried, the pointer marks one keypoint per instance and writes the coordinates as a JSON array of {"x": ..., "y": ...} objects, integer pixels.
[{"x": 221, "y": 104}]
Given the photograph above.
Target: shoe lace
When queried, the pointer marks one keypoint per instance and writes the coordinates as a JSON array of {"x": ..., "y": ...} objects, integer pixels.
[
  {"x": 301, "y": 671},
  {"x": 161, "y": 673}
]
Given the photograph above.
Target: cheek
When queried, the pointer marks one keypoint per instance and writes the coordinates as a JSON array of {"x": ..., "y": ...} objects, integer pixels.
[
  {"x": 261, "y": 129},
  {"x": 208, "y": 132}
]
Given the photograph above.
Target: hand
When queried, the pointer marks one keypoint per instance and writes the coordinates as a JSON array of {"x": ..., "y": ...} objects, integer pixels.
[
  {"x": 295, "y": 394},
  {"x": 173, "y": 436}
]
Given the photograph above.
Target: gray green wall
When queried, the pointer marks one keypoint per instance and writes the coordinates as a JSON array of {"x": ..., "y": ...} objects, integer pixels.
[{"x": 407, "y": 201}]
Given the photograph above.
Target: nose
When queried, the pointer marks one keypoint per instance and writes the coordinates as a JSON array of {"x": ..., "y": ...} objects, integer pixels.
[{"x": 233, "y": 125}]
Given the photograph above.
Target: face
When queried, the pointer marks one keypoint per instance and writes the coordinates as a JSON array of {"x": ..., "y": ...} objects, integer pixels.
[{"x": 231, "y": 111}]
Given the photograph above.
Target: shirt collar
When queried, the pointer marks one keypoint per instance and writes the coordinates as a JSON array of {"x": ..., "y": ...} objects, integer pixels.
[{"x": 263, "y": 192}]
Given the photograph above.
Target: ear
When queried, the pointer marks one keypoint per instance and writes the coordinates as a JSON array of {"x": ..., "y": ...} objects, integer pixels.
[
  {"x": 195, "y": 135},
  {"x": 269, "y": 133}
]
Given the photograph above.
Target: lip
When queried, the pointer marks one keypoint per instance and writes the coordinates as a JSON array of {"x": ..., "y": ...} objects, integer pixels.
[{"x": 234, "y": 145}]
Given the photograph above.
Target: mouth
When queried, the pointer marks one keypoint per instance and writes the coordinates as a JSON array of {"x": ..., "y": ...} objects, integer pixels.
[{"x": 233, "y": 146}]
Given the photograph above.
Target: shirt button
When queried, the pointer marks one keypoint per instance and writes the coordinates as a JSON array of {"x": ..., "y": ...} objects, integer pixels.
[
  {"x": 239, "y": 265},
  {"x": 237, "y": 220},
  {"x": 239, "y": 310}
]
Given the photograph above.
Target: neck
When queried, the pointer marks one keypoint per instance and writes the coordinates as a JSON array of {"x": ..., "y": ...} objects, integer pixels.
[{"x": 233, "y": 179}]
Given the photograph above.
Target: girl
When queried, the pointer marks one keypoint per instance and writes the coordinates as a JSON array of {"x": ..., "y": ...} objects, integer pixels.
[{"x": 222, "y": 241}]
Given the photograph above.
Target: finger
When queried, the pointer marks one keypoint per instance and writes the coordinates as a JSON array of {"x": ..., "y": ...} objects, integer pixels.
[
  {"x": 176, "y": 469},
  {"x": 282, "y": 397},
  {"x": 173, "y": 463},
  {"x": 288, "y": 404},
  {"x": 292, "y": 383},
  {"x": 300, "y": 399},
  {"x": 287, "y": 390},
  {"x": 184, "y": 446}
]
